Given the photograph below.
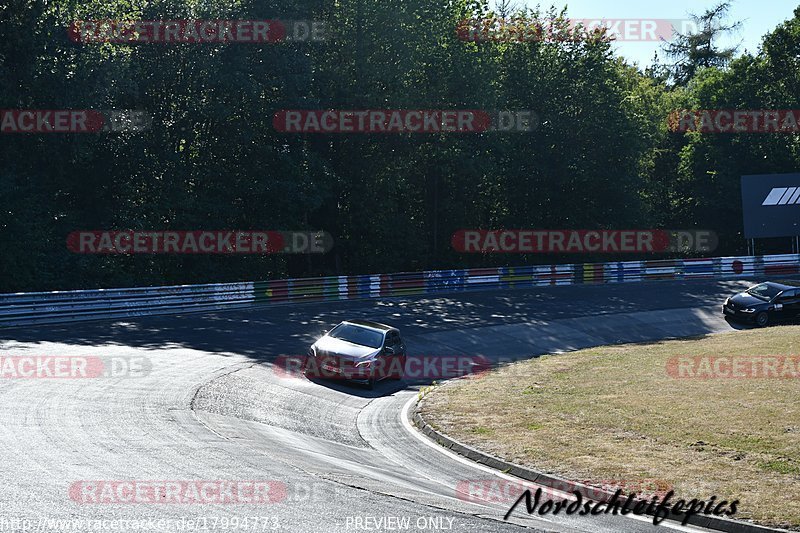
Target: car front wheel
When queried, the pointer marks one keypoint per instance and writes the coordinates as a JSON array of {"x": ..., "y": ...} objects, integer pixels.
[{"x": 762, "y": 319}]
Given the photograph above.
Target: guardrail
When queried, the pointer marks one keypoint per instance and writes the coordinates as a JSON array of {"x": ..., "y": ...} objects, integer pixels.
[{"x": 73, "y": 306}]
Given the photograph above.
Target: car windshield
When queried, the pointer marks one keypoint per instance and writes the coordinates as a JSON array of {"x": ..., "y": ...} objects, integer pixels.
[
  {"x": 357, "y": 335},
  {"x": 764, "y": 291}
]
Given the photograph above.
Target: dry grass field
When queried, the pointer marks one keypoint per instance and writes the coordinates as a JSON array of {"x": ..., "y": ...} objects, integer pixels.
[{"x": 631, "y": 413}]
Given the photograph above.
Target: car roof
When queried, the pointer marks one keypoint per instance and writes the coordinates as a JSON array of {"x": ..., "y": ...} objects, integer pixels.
[
  {"x": 370, "y": 324},
  {"x": 785, "y": 284}
]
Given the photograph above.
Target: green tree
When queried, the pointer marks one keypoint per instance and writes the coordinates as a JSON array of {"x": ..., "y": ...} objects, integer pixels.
[{"x": 696, "y": 50}]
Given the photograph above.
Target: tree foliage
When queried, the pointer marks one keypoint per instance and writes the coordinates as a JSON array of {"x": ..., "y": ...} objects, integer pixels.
[{"x": 601, "y": 157}]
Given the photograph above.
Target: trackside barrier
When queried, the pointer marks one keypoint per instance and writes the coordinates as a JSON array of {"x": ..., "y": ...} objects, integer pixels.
[{"x": 73, "y": 306}]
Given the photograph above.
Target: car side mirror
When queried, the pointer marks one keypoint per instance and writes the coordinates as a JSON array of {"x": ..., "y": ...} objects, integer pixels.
[{"x": 388, "y": 350}]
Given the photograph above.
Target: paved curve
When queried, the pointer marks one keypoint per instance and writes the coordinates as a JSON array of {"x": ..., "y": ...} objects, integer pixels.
[{"x": 213, "y": 408}]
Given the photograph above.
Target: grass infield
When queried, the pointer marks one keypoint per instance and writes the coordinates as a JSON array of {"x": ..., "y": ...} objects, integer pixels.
[{"x": 634, "y": 413}]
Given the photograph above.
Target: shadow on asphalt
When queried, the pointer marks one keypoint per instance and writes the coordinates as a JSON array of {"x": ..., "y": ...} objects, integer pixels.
[
  {"x": 265, "y": 332},
  {"x": 382, "y": 388},
  {"x": 739, "y": 326}
]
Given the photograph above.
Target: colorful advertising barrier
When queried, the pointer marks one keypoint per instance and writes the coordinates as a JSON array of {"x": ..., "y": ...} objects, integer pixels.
[{"x": 72, "y": 306}]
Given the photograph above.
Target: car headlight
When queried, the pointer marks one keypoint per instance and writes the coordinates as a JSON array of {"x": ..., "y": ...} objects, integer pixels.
[
  {"x": 363, "y": 364},
  {"x": 748, "y": 310},
  {"x": 728, "y": 301}
]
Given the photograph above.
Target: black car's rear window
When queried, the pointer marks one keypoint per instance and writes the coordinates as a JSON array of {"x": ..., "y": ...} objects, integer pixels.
[
  {"x": 764, "y": 291},
  {"x": 357, "y": 335}
]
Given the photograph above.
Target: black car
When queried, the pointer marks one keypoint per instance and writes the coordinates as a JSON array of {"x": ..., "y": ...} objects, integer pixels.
[
  {"x": 765, "y": 303},
  {"x": 360, "y": 351}
]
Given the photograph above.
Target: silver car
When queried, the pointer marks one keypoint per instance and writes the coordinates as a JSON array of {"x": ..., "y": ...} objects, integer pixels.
[{"x": 358, "y": 350}]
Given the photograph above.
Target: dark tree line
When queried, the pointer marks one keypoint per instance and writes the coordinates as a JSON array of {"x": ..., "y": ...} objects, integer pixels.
[{"x": 602, "y": 156}]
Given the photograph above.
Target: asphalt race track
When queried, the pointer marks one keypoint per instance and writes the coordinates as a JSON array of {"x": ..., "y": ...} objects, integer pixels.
[{"x": 212, "y": 407}]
